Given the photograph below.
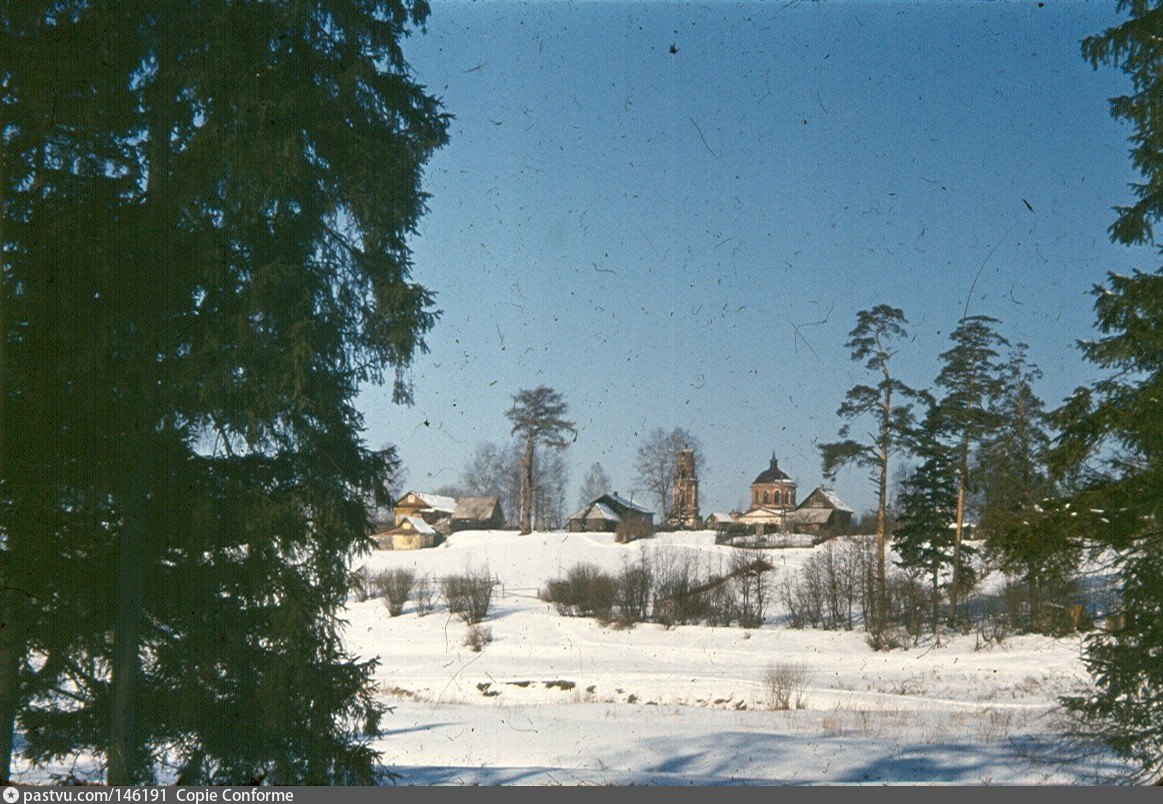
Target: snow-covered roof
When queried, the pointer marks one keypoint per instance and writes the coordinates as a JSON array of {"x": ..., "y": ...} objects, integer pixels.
[
  {"x": 421, "y": 526},
  {"x": 719, "y": 516},
  {"x": 627, "y": 504},
  {"x": 437, "y": 502},
  {"x": 837, "y": 503},
  {"x": 602, "y": 511}
]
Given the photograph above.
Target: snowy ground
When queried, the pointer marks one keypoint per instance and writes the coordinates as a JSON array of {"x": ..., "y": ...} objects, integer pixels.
[{"x": 566, "y": 700}]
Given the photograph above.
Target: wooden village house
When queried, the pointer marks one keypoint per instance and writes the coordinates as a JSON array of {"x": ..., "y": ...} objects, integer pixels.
[
  {"x": 435, "y": 509},
  {"x": 821, "y": 512},
  {"x": 478, "y": 513},
  {"x": 417, "y": 520},
  {"x": 605, "y": 514},
  {"x": 410, "y": 533}
]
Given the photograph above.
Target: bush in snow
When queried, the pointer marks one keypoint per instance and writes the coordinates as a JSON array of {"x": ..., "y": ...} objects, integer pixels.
[
  {"x": 423, "y": 593},
  {"x": 468, "y": 595},
  {"x": 585, "y": 591},
  {"x": 359, "y": 584},
  {"x": 477, "y": 637},
  {"x": 394, "y": 587},
  {"x": 676, "y": 596},
  {"x": 632, "y": 529},
  {"x": 750, "y": 587},
  {"x": 634, "y": 586},
  {"x": 831, "y": 586},
  {"x": 784, "y": 685}
]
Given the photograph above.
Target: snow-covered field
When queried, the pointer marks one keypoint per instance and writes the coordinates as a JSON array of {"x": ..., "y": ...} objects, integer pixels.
[{"x": 565, "y": 700}]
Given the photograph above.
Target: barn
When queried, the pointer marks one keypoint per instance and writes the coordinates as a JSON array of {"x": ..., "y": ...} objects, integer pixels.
[{"x": 478, "y": 513}]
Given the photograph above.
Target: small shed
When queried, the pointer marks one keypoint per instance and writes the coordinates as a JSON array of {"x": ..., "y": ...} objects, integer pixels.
[
  {"x": 478, "y": 513},
  {"x": 719, "y": 521},
  {"x": 410, "y": 533}
]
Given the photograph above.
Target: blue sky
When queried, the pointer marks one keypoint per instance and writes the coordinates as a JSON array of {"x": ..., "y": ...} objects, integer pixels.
[{"x": 684, "y": 238}]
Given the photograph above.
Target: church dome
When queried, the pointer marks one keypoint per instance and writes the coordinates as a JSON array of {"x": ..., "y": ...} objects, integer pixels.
[{"x": 772, "y": 474}]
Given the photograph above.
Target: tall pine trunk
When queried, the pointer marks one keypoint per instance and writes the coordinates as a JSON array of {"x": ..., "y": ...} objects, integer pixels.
[
  {"x": 527, "y": 489},
  {"x": 11, "y": 654},
  {"x": 955, "y": 588},
  {"x": 125, "y": 754},
  {"x": 881, "y": 506},
  {"x": 9, "y": 640},
  {"x": 962, "y": 482},
  {"x": 1035, "y": 597},
  {"x": 936, "y": 603}
]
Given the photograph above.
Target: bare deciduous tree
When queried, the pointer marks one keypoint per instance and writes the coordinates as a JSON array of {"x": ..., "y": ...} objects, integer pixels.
[{"x": 596, "y": 483}]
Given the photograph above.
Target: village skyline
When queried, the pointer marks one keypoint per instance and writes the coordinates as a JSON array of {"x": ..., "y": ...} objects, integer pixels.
[{"x": 682, "y": 236}]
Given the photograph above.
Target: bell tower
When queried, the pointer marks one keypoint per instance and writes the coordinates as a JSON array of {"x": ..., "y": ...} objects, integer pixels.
[{"x": 684, "y": 512}]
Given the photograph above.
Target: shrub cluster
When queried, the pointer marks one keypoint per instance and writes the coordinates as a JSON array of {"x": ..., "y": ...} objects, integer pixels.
[
  {"x": 631, "y": 529},
  {"x": 585, "y": 591},
  {"x": 359, "y": 583},
  {"x": 833, "y": 589},
  {"x": 995, "y": 617},
  {"x": 395, "y": 587},
  {"x": 784, "y": 685},
  {"x": 674, "y": 589},
  {"x": 468, "y": 595},
  {"x": 424, "y": 595},
  {"x": 477, "y": 637}
]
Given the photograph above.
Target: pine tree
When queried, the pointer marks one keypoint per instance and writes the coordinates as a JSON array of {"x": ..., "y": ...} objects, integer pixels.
[
  {"x": 873, "y": 341},
  {"x": 1123, "y": 413},
  {"x": 60, "y": 311},
  {"x": 970, "y": 376},
  {"x": 1017, "y": 506},
  {"x": 245, "y": 267},
  {"x": 926, "y": 509},
  {"x": 1111, "y": 443},
  {"x": 538, "y": 420}
]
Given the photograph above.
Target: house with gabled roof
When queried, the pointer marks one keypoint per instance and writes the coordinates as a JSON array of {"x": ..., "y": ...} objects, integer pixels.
[
  {"x": 606, "y": 512},
  {"x": 478, "y": 513},
  {"x": 435, "y": 509},
  {"x": 410, "y": 533},
  {"x": 822, "y": 511}
]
